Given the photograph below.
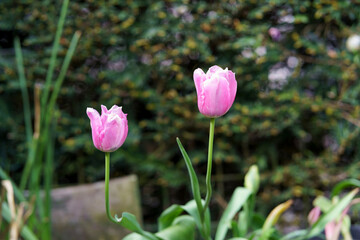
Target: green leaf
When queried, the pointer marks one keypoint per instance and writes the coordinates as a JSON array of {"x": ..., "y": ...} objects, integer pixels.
[
  {"x": 167, "y": 217},
  {"x": 274, "y": 216},
  {"x": 243, "y": 223},
  {"x": 24, "y": 91},
  {"x": 238, "y": 199},
  {"x": 301, "y": 18},
  {"x": 191, "y": 209},
  {"x": 323, "y": 203},
  {"x": 235, "y": 229},
  {"x": 343, "y": 184},
  {"x": 183, "y": 228},
  {"x": 266, "y": 234},
  {"x": 134, "y": 236},
  {"x": 26, "y": 232},
  {"x": 295, "y": 235},
  {"x": 193, "y": 178},
  {"x": 54, "y": 52},
  {"x": 333, "y": 213},
  {"x": 129, "y": 221}
]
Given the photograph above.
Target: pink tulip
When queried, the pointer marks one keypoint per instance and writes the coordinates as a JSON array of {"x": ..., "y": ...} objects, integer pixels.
[
  {"x": 216, "y": 90},
  {"x": 109, "y": 130},
  {"x": 314, "y": 215}
]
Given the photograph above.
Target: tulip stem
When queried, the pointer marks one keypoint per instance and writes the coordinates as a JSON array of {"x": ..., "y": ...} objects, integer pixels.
[
  {"x": 145, "y": 234},
  {"x": 107, "y": 176},
  {"x": 208, "y": 173}
]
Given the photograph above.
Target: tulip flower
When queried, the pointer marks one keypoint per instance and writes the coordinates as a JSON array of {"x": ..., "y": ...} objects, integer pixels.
[
  {"x": 314, "y": 215},
  {"x": 216, "y": 90},
  {"x": 109, "y": 130}
]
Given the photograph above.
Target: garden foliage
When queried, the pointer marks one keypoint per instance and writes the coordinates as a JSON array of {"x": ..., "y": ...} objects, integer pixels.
[{"x": 295, "y": 114}]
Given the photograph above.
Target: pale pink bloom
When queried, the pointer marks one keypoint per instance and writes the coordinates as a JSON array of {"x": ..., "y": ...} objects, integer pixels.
[
  {"x": 314, "y": 215},
  {"x": 109, "y": 130},
  {"x": 275, "y": 33},
  {"x": 331, "y": 230},
  {"x": 216, "y": 90}
]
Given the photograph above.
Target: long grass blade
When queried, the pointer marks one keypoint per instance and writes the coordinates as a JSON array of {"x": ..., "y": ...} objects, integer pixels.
[
  {"x": 54, "y": 52},
  {"x": 18, "y": 194},
  {"x": 35, "y": 177},
  {"x": 48, "y": 177},
  {"x": 24, "y": 92},
  {"x": 29, "y": 164},
  {"x": 61, "y": 77}
]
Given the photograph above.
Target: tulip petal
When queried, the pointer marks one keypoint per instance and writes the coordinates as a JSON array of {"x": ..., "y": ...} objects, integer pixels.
[
  {"x": 232, "y": 85},
  {"x": 113, "y": 134},
  {"x": 125, "y": 130},
  {"x": 216, "y": 97},
  {"x": 199, "y": 78},
  {"x": 213, "y": 70},
  {"x": 118, "y": 111},
  {"x": 96, "y": 126},
  {"x": 103, "y": 109}
]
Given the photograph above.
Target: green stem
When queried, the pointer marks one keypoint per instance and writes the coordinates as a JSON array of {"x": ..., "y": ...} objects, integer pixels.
[
  {"x": 128, "y": 225},
  {"x": 107, "y": 176},
  {"x": 208, "y": 173}
]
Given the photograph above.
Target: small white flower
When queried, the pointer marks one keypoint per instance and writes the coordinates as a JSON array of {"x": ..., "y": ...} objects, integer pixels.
[{"x": 353, "y": 43}]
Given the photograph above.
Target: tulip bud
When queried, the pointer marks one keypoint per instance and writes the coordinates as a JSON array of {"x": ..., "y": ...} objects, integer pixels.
[
  {"x": 353, "y": 43},
  {"x": 216, "y": 90},
  {"x": 252, "y": 179},
  {"x": 330, "y": 230},
  {"x": 109, "y": 130},
  {"x": 314, "y": 215}
]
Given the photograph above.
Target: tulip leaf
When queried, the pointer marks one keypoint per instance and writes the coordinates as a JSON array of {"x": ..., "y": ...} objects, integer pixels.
[
  {"x": 129, "y": 222},
  {"x": 323, "y": 203},
  {"x": 167, "y": 217},
  {"x": 275, "y": 214},
  {"x": 193, "y": 178},
  {"x": 343, "y": 184},
  {"x": 182, "y": 228},
  {"x": 333, "y": 213},
  {"x": 237, "y": 200},
  {"x": 191, "y": 209},
  {"x": 235, "y": 229},
  {"x": 134, "y": 236},
  {"x": 299, "y": 234}
]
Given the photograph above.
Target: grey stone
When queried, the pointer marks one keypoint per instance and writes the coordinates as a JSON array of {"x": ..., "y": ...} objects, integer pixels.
[{"x": 79, "y": 212}]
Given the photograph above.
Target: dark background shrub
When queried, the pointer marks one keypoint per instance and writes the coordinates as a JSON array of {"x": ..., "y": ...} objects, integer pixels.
[{"x": 295, "y": 115}]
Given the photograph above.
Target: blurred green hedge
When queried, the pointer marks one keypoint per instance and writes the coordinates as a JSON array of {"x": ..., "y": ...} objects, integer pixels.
[{"x": 295, "y": 115}]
